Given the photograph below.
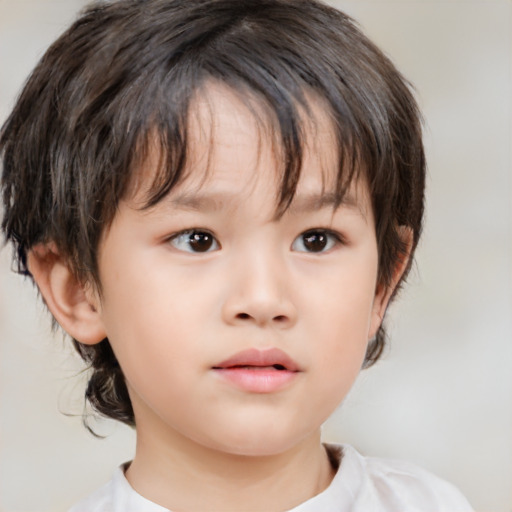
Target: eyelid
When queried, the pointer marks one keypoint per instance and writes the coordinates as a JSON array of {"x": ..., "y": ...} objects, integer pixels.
[
  {"x": 188, "y": 231},
  {"x": 338, "y": 237}
]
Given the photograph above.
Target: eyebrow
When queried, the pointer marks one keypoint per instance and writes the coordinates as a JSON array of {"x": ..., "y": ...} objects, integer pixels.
[
  {"x": 198, "y": 202},
  {"x": 317, "y": 201},
  {"x": 301, "y": 204}
]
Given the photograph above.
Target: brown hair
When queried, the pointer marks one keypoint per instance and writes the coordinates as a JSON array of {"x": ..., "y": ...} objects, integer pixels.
[{"x": 130, "y": 68}]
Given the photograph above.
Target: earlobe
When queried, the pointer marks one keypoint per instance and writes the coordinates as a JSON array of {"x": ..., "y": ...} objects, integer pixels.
[
  {"x": 384, "y": 294},
  {"x": 76, "y": 309}
]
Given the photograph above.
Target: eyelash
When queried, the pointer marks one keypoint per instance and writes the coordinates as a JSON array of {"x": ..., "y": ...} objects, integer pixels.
[{"x": 210, "y": 240}]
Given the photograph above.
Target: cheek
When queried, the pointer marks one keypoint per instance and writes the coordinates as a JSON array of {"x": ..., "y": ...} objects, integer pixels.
[
  {"x": 340, "y": 326},
  {"x": 343, "y": 305},
  {"x": 164, "y": 294},
  {"x": 151, "y": 326}
]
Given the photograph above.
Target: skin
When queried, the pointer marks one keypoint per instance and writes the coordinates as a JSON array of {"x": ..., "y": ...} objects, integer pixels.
[{"x": 172, "y": 314}]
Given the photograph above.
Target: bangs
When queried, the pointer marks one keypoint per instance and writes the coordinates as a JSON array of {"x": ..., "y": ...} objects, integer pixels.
[
  {"x": 279, "y": 91},
  {"x": 165, "y": 156}
]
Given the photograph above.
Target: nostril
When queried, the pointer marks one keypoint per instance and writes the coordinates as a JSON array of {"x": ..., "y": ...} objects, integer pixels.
[{"x": 282, "y": 319}]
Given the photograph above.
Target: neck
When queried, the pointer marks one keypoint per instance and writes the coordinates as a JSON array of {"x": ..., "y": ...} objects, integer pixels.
[{"x": 180, "y": 474}]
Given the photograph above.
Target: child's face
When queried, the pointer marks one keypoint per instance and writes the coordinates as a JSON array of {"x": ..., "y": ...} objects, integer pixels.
[{"x": 209, "y": 273}]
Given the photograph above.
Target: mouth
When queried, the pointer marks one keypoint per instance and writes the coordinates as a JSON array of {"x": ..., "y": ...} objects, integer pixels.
[
  {"x": 258, "y": 371},
  {"x": 253, "y": 358},
  {"x": 252, "y": 367}
]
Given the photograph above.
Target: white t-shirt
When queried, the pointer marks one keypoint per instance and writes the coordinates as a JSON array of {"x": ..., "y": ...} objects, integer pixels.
[{"x": 361, "y": 484}]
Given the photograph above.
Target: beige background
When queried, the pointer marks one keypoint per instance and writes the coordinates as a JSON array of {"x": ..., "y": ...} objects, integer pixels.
[{"x": 442, "y": 397}]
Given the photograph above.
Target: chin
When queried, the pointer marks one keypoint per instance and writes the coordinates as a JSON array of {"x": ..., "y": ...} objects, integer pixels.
[{"x": 265, "y": 442}]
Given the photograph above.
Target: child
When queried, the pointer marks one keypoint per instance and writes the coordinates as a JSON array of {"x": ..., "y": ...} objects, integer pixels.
[{"x": 217, "y": 200}]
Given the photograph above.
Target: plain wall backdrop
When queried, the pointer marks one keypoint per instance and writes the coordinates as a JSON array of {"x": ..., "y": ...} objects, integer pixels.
[{"x": 442, "y": 395}]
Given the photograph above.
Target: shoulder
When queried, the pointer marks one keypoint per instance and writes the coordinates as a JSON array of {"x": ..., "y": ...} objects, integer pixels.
[
  {"x": 99, "y": 501},
  {"x": 116, "y": 496},
  {"x": 393, "y": 485}
]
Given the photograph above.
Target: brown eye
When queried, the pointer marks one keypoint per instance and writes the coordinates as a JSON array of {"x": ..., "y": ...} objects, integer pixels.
[
  {"x": 194, "y": 241},
  {"x": 315, "y": 241}
]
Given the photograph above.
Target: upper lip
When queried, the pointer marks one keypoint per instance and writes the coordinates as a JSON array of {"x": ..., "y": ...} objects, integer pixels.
[{"x": 256, "y": 357}]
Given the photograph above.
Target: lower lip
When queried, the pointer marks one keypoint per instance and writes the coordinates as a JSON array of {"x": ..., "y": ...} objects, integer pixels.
[{"x": 257, "y": 380}]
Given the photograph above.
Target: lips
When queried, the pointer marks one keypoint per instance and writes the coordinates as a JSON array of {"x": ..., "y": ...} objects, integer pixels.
[
  {"x": 254, "y": 358},
  {"x": 258, "y": 371}
]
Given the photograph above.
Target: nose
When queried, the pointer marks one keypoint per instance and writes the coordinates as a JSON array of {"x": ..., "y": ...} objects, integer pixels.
[{"x": 260, "y": 292}]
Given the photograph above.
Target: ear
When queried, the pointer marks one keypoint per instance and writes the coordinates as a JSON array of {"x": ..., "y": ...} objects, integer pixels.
[
  {"x": 74, "y": 305},
  {"x": 383, "y": 294}
]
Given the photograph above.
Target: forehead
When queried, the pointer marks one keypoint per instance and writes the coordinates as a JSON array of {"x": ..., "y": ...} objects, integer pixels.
[{"x": 235, "y": 143}]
